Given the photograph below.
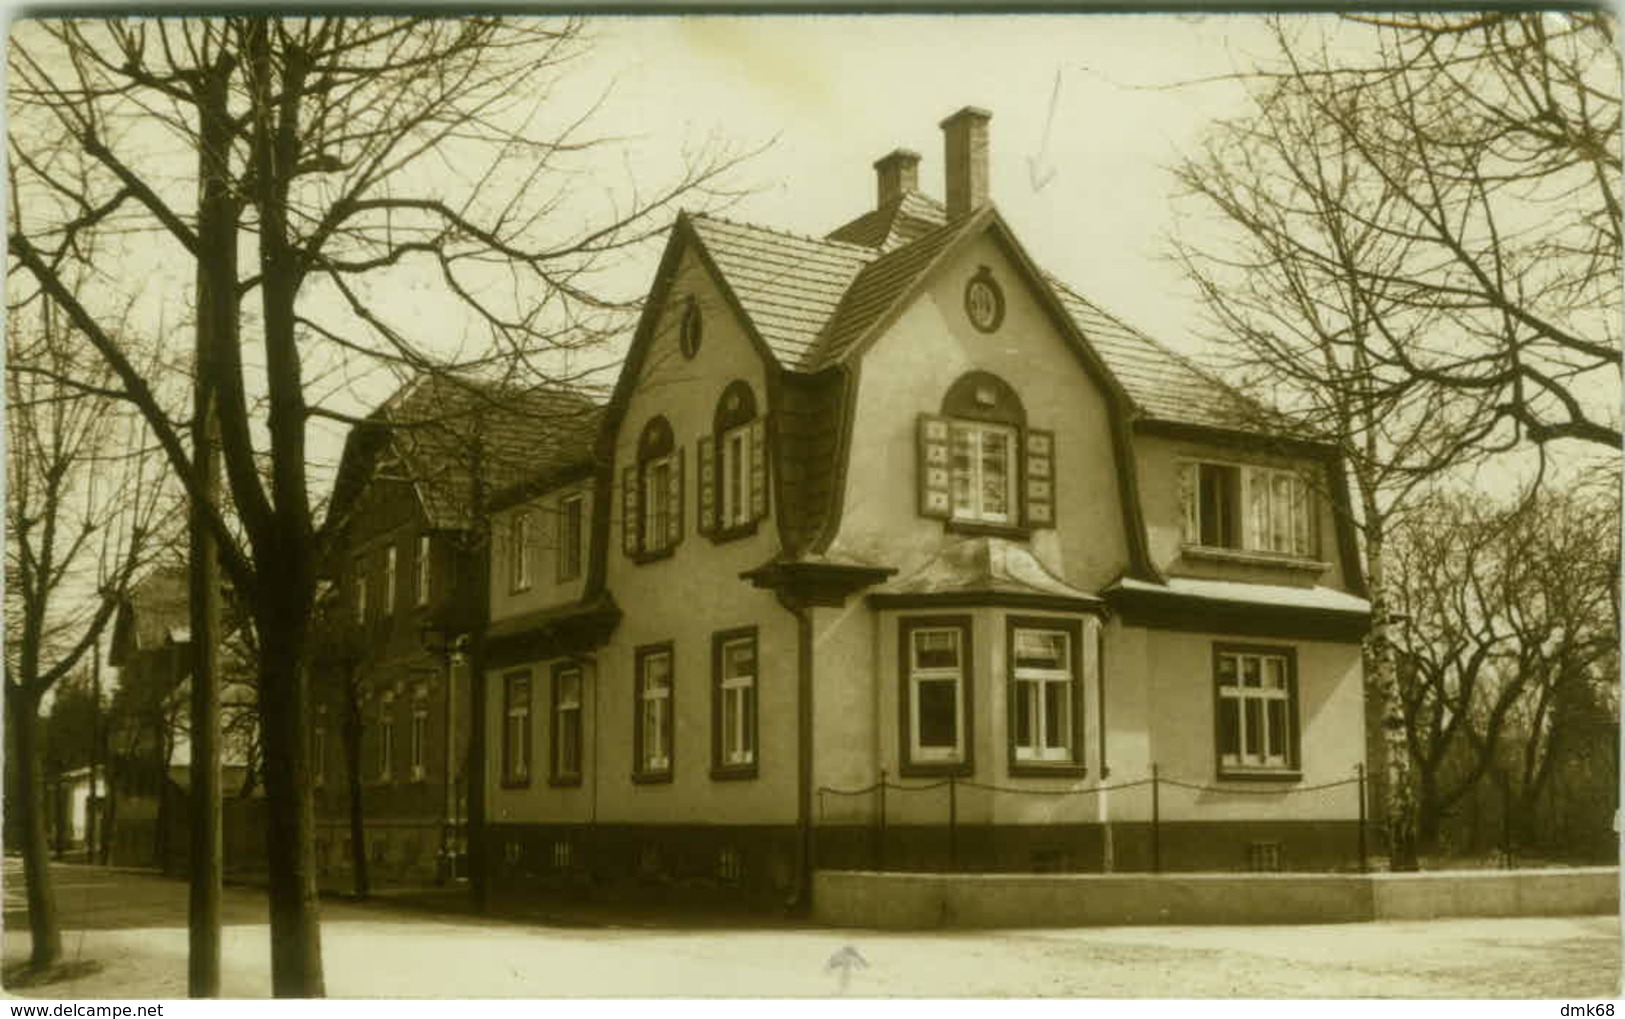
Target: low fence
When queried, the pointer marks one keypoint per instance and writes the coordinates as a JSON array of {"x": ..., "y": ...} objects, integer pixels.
[{"x": 1143, "y": 832}]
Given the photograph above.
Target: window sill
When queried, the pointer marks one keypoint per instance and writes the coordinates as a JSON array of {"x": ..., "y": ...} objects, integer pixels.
[
  {"x": 648, "y": 557},
  {"x": 722, "y": 536},
  {"x": 1045, "y": 769},
  {"x": 976, "y": 527},
  {"x": 516, "y": 783},
  {"x": 1283, "y": 775},
  {"x": 934, "y": 769},
  {"x": 733, "y": 772},
  {"x": 565, "y": 781},
  {"x": 519, "y": 588},
  {"x": 1245, "y": 558},
  {"x": 651, "y": 777}
]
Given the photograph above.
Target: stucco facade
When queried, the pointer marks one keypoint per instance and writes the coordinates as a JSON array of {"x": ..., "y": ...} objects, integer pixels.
[{"x": 903, "y": 554}]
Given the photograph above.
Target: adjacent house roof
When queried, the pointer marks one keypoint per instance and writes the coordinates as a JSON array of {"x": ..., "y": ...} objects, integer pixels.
[
  {"x": 154, "y": 614},
  {"x": 443, "y": 433}
]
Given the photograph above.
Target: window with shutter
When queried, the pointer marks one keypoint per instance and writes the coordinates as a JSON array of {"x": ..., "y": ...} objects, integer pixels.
[
  {"x": 737, "y": 487},
  {"x": 936, "y": 496},
  {"x": 1040, "y": 478},
  {"x": 706, "y": 490},
  {"x": 653, "y": 495}
]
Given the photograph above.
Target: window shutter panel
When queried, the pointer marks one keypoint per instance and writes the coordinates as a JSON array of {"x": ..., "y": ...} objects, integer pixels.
[
  {"x": 629, "y": 511},
  {"x": 758, "y": 469},
  {"x": 1040, "y": 477},
  {"x": 1190, "y": 527},
  {"x": 676, "y": 498},
  {"x": 706, "y": 486},
  {"x": 936, "y": 498}
]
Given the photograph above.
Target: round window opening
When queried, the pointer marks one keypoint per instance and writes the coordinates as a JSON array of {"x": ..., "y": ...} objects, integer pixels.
[
  {"x": 984, "y": 301},
  {"x": 693, "y": 325}
]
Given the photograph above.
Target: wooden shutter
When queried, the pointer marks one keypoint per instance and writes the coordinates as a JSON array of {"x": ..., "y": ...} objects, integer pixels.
[
  {"x": 675, "y": 478},
  {"x": 758, "y": 469},
  {"x": 706, "y": 487},
  {"x": 935, "y": 480},
  {"x": 629, "y": 511},
  {"x": 1040, "y": 478},
  {"x": 1191, "y": 527}
]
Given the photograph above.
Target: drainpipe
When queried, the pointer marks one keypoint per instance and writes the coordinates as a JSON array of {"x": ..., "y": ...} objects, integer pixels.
[{"x": 801, "y": 898}]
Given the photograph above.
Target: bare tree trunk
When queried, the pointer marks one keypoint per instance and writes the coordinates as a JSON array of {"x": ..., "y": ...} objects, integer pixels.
[
  {"x": 44, "y": 929},
  {"x": 1399, "y": 811},
  {"x": 352, "y": 766}
]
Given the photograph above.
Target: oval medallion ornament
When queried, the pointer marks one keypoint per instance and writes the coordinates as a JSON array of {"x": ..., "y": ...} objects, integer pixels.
[
  {"x": 984, "y": 302},
  {"x": 689, "y": 333}
]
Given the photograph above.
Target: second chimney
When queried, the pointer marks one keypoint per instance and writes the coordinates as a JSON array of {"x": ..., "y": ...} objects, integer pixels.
[
  {"x": 964, "y": 137},
  {"x": 896, "y": 174}
]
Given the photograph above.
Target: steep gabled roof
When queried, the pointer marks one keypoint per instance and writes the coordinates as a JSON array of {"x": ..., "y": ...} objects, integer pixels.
[
  {"x": 439, "y": 433},
  {"x": 904, "y": 219},
  {"x": 788, "y": 285},
  {"x": 152, "y": 614}
]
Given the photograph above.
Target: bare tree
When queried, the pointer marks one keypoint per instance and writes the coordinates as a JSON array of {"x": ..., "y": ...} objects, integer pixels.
[
  {"x": 361, "y": 158},
  {"x": 84, "y": 507},
  {"x": 1509, "y": 621}
]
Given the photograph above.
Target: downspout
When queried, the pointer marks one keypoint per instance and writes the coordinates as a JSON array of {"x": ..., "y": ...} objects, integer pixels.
[{"x": 801, "y": 897}]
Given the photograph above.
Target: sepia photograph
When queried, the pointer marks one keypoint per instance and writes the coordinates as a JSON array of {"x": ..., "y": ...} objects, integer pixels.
[{"x": 916, "y": 505}]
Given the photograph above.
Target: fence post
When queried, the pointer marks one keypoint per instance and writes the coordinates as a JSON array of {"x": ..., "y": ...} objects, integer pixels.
[
  {"x": 880, "y": 849},
  {"x": 1359, "y": 775},
  {"x": 1156, "y": 822},
  {"x": 953, "y": 824}
]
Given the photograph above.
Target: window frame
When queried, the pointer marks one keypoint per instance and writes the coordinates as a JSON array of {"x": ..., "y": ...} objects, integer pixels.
[
  {"x": 557, "y": 775},
  {"x": 657, "y": 449},
  {"x": 981, "y": 403},
  {"x": 1246, "y": 478},
  {"x": 424, "y": 570},
  {"x": 386, "y": 738},
  {"x": 1074, "y": 764},
  {"x": 642, "y": 655},
  {"x": 910, "y": 761},
  {"x": 360, "y": 591},
  {"x": 721, "y": 767},
  {"x": 390, "y": 578},
  {"x": 981, "y": 517},
  {"x": 520, "y": 552},
  {"x": 516, "y": 766},
  {"x": 572, "y": 528},
  {"x": 1292, "y": 769},
  {"x": 418, "y": 740}
]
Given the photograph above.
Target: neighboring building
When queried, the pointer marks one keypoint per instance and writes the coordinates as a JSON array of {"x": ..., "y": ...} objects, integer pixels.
[
  {"x": 896, "y": 504},
  {"x": 406, "y": 595}
]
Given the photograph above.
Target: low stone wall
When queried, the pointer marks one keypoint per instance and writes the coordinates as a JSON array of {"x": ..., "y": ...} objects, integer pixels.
[{"x": 913, "y": 901}]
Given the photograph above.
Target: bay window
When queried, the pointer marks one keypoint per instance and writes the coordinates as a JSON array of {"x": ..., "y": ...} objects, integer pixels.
[
  {"x": 936, "y": 673},
  {"x": 1045, "y": 692}
]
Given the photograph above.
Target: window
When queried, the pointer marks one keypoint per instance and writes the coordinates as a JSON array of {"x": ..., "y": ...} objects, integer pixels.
[
  {"x": 652, "y": 495},
  {"x": 935, "y": 655},
  {"x": 1253, "y": 509},
  {"x": 571, "y": 524},
  {"x": 980, "y": 465},
  {"x": 733, "y": 466},
  {"x": 389, "y": 580},
  {"x": 516, "y": 728},
  {"x": 733, "y": 704},
  {"x": 566, "y": 724},
  {"x": 1045, "y": 696},
  {"x": 1256, "y": 710},
  {"x": 360, "y": 593},
  {"x": 423, "y": 569},
  {"x": 652, "y": 738},
  {"x": 519, "y": 552},
  {"x": 386, "y": 736},
  {"x": 419, "y": 738}
]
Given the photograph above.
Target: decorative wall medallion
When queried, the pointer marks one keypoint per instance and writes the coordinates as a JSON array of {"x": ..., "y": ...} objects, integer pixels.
[
  {"x": 984, "y": 301},
  {"x": 693, "y": 325}
]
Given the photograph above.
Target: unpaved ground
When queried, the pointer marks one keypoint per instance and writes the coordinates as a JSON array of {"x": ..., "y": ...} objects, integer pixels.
[{"x": 380, "y": 951}]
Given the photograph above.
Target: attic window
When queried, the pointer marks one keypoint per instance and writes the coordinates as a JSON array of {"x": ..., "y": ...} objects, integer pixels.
[
  {"x": 733, "y": 466},
  {"x": 652, "y": 495},
  {"x": 980, "y": 465},
  {"x": 692, "y": 328}
]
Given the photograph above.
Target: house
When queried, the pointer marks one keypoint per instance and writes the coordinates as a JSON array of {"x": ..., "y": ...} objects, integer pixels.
[
  {"x": 895, "y": 506},
  {"x": 404, "y": 596}
]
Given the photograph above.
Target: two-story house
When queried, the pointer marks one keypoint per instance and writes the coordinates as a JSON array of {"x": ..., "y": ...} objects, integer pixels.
[
  {"x": 406, "y": 600},
  {"x": 895, "y": 505}
]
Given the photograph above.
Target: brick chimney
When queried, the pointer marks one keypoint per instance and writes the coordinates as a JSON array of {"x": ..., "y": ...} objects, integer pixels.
[
  {"x": 896, "y": 174},
  {"x": 964, "y": 137}
]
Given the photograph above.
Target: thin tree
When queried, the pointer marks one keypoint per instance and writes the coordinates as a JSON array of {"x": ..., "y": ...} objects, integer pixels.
[
  {"x": 350, "y": 156},
  {"x": 84, "y": 508}
]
